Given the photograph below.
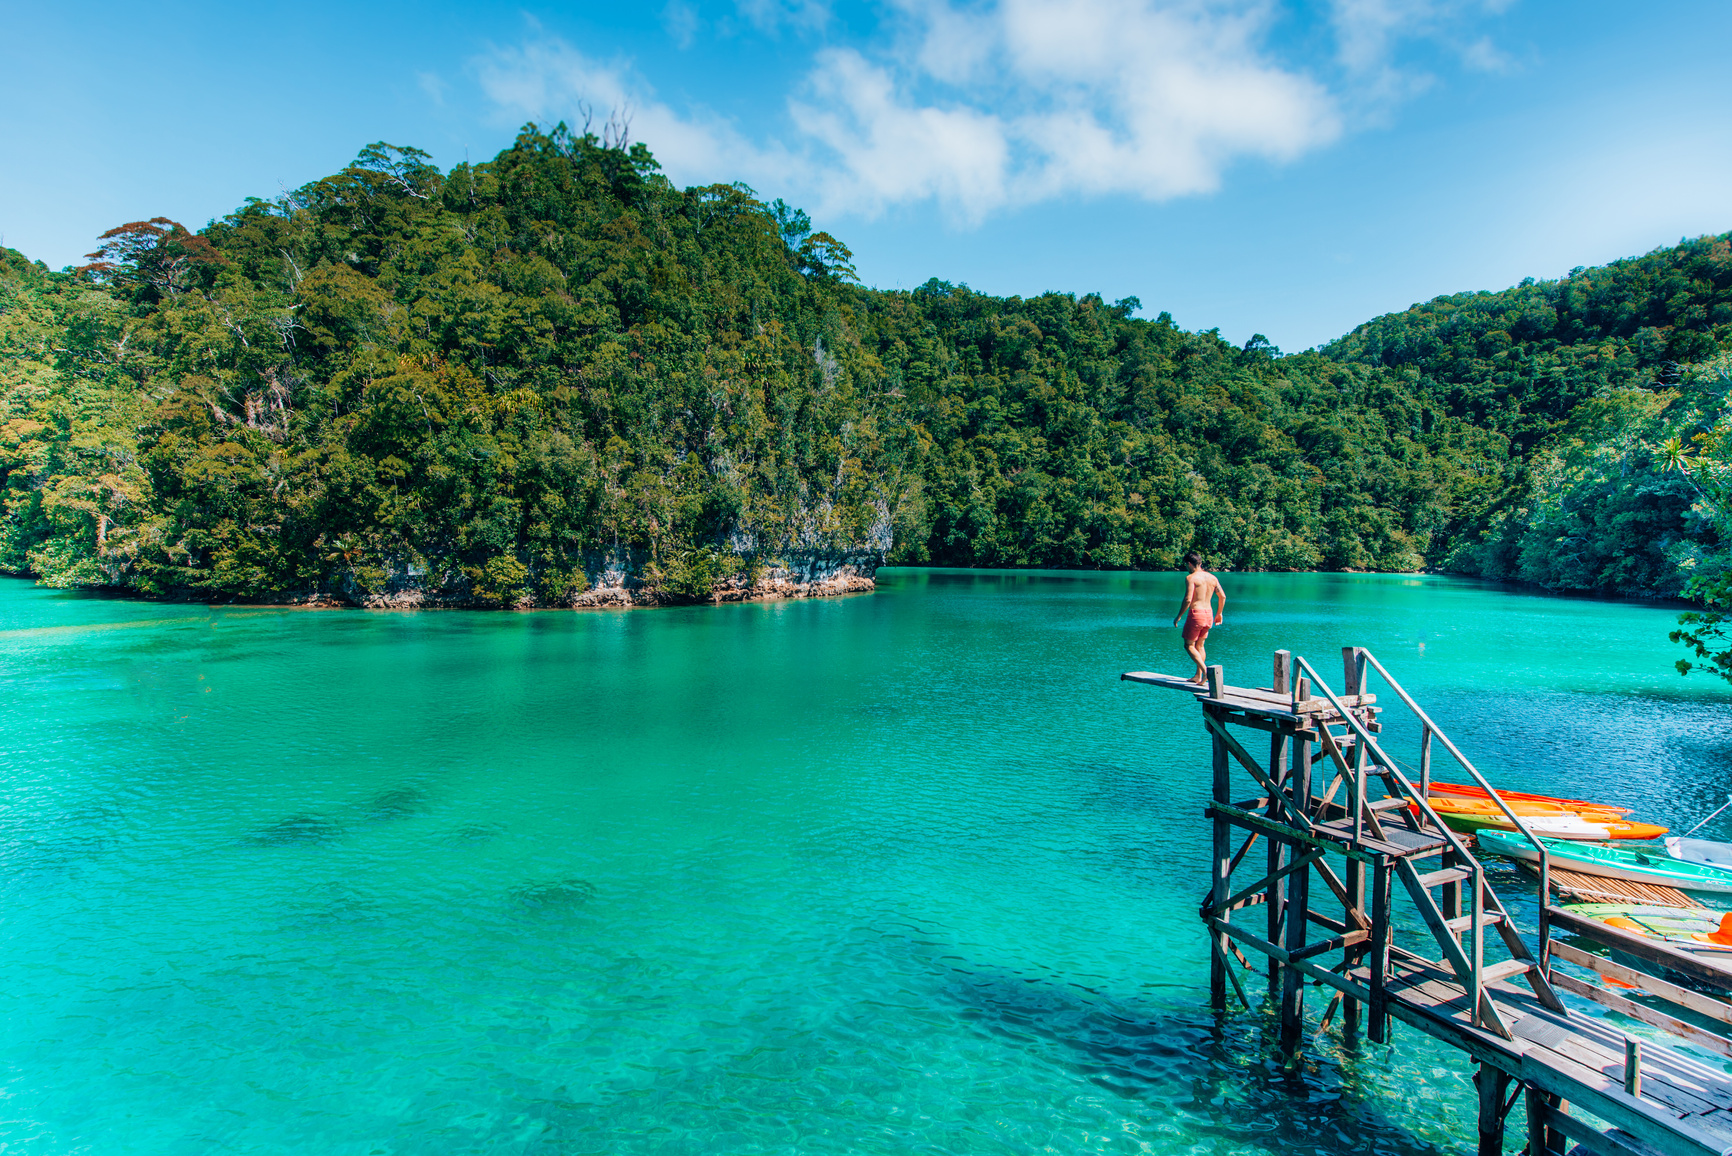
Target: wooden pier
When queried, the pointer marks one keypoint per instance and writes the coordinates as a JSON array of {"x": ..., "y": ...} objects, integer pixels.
[{"x": 1341, "y": 825}]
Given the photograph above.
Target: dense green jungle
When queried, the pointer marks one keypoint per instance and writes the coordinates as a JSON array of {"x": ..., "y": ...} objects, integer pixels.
[{"x": 493, "y": 382}]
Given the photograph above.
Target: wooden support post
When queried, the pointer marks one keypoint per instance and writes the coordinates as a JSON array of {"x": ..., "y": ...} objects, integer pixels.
[
  {"x": 1222, "y": 873},
  {"x": 1276, "y": 897},
  {"x": 1353, "y": 669},
  {"x": 1543, "y": 1139},
  {"x": 1379, "y": 957},
  {"x": 1425, "y": 761},
  {"x": 1354, "y": 870},
  {"x": 1292, "y": 979},
  {"x": 1353, "y": 678},
  {"x": 1632, "y": 1066},
  {"x": 1492, "y": 1086},
  {"x": 1298, "y": 918}
]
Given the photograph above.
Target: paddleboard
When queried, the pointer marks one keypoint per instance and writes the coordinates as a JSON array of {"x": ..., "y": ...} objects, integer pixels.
[
  {"x": 1638, "y": 865},
  {"x": 1470, "y": 791}
]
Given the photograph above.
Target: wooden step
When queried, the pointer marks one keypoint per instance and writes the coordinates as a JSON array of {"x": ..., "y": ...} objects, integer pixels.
[
  {"x": 1463, "y": 922},
  {"x": 1388, "y": 804},
  {"x": 1397, "y": 842},
  {"x": 1496, "y": 971},
  {"x": 1447, "y": 875}
]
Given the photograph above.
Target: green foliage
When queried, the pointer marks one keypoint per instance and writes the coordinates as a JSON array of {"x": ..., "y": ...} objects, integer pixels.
[
  {"x": 1519, "y": 361},
  {"x": 1612, "y": 385},
  {"x": 495, "y": 382}
]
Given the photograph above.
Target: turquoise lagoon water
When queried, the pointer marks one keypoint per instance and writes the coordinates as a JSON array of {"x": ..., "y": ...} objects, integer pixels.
[{"x": 907, "y": 872}]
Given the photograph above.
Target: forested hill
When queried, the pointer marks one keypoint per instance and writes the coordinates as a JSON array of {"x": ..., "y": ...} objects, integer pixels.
[
  {"x": 496, "y": 381},
  {"x": 1611, "y": 384},
  {"x": 1521, "y": 360}
]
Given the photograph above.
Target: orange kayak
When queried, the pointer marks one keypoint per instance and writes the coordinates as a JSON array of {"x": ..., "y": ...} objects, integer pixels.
[
  {"x": 1469, "y": 791},
  {"x": 1548, "y": 818}
]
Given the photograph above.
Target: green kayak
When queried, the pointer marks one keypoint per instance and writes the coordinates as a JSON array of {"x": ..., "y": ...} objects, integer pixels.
[{"x": 1631, "y": 863}]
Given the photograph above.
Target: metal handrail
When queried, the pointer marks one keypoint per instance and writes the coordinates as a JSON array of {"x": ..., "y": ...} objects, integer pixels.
[
  {"x": 1538, "y": 844},
  {"x": 1476, "y": 960}
]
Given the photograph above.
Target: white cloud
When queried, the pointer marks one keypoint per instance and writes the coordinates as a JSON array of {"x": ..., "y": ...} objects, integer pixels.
[
  {"x": 1026, "y": 100},
  {"x": 1484, "y": 56},
  {"x": 680, "y": 19},
  {"x": 549, "y": 80},
  {"x": 433, "y": 85},
  {"x": 770, "y": 15},
  {"x": 1368, "y": 34},
  {"x": 881, "y": 149},
  {"x": 983, "y": 105}
]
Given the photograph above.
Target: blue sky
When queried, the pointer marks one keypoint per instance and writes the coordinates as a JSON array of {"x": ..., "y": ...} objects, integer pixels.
[{"x": 1290, "y": 168}]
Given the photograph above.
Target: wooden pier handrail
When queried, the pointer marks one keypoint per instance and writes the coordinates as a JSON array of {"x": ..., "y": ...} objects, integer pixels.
[
  {"x": 1657, "y": 1101},
  {"x": 1475, "y": 953},
  {"x": 1431, "y": 728},
  {"x": 1643, "y": 948}
]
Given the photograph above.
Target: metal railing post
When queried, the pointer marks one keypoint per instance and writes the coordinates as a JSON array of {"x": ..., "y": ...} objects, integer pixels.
[{"x": 1533, "y": 840}]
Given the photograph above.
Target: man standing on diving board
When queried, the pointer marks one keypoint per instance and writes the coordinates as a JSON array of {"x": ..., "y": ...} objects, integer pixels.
[{"x": 1201, "y": 587}]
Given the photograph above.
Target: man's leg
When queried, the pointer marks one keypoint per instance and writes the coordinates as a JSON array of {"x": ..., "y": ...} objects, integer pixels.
[{"x": 1195, "y": 650}]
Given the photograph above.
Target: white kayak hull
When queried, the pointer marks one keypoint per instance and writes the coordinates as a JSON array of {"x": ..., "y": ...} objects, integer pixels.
[
  {"x": 1700, "y": 851},
  {"x": 1664, "y": 871}
]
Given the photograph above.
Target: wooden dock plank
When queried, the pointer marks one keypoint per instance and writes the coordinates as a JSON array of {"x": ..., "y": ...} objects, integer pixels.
[
  {"x": 1656, "y": 1123},
  {"x": 1396, "y": 841},
  {"x": 1258, "y": 700},
  {"x": 1681, "y": 1097},
  {"x": 1165, "y": 681},
  {"x": 1597, "y": 889},
  {"x": 1571, "y": 1057},
  {"x": 1649, "y": 950}
]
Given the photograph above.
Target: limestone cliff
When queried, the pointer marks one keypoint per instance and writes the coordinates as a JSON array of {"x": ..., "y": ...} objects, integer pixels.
[{"x": 626, "y": 579}]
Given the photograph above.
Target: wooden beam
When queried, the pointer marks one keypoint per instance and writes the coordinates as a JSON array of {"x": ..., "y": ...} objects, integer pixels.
[
  {"x": 1548, "y": 1118},
  {"x": 1298, "y": 864},
  {"x": 1215, "y": 942},
  {"x": 1231, "y": 744},
  {"x": 1295, "y": 930},
  {"x": 1353, "y": 670},
  {"x": 1492, "y": 1085},
  {"x": 1380, "y": 936},
  {"x": 1540, "y": 1108},
  {"x": 1279, "y": 854},
  {"x": 1569, "y": 1080},
  {"x": 1701, "y": 1037},
  {"x": 1322, "y": 975},
  {"x": 1703, "y": 1005},
  {"x": 1354, "y": 913},
  {"x": 1239, "y": 856},
  {"x": 1221, "y": 877},
  {"x": 1644, "y": 949},
  {"x": 1347, "y": 940},
  {"x": 1253, "y": 821},
  {"x": 1326, "y": 923}
]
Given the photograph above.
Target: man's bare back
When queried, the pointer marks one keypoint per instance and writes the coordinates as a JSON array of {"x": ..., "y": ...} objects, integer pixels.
[{"x": 1201, "y": 589}]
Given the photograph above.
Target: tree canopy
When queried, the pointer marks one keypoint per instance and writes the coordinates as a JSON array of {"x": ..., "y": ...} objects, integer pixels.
[{"x": 498, "y": 380}]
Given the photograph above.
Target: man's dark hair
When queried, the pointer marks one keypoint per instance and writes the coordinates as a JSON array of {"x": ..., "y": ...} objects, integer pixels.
[{"x": 1194, "y": 559}]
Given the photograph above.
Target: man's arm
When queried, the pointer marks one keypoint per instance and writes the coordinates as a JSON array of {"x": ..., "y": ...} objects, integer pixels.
[
  {"x": 1184, "y": 601},
  {"x": 1221, "y": 594}
]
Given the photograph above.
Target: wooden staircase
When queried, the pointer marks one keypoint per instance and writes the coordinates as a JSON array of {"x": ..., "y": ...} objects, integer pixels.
[{"x": 1341, "y": 821}]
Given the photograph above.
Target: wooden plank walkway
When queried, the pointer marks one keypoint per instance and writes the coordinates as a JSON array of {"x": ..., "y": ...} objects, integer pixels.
[
  {"x": 1569, "y": 1059},
  {"x": 1260, "y": 700},
  {"x": 1682, "y": 1107},
  {"x": 1597, "y": 889}
]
